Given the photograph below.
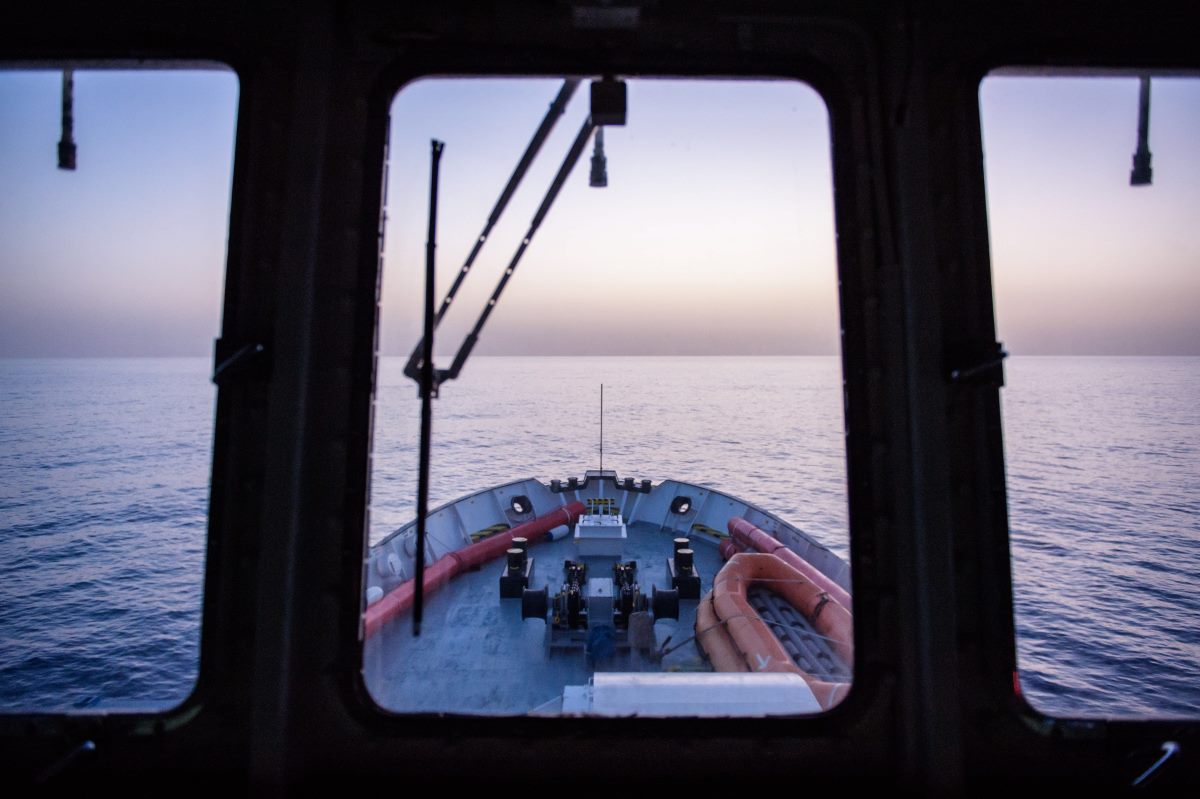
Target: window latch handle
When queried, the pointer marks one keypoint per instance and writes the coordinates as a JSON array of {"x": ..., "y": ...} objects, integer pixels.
[
  {"x": 1169, "y": 750},
  {"x": 235, "y": 362},
  {"x": 969, "y": 374}
]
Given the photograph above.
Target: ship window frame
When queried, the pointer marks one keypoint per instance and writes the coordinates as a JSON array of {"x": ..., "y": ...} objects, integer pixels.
[
  {"x": 1002, "y": 583},
  {"x": 817, "y": 77},
  {"x": 851, "y": 54},
  {"x": 141, "y": 720}
]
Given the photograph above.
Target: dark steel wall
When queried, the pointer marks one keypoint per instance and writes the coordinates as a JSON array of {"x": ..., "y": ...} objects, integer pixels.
[{"x": 280, "y": 701}]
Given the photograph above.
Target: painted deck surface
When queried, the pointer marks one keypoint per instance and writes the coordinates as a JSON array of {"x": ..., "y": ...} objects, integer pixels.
[{"x": 476, "y": 655}]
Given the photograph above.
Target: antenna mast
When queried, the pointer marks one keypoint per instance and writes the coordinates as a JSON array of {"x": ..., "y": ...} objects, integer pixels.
[{"x": 601, "y": 429}]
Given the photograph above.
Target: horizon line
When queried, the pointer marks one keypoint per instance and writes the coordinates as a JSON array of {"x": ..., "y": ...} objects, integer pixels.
[{"x": 132, "y": 356}]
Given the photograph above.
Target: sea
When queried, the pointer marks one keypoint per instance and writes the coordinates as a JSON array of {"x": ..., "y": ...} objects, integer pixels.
[{"x": 104, "y": 470}]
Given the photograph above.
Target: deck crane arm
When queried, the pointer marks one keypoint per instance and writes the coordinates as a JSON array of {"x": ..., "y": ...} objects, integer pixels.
[
  {"x": 608, "y": 103},
  {"x": 556, "y": 109}
]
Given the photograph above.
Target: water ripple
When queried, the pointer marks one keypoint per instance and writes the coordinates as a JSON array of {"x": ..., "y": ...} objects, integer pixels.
[{"x": 103, "y": 502}]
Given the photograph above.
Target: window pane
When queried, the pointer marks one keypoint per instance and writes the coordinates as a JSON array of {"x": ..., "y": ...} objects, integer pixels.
[
  {"x": 1097, "y": 299},
  {"x": 110, "y": 289},
  {"x": 699, "y": 288}
]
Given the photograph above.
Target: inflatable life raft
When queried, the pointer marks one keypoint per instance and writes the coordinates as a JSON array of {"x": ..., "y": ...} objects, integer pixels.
[{"x": 735, "y": 637}]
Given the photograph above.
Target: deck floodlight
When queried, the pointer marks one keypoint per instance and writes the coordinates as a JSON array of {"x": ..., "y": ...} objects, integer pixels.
[
  {"x": 599, "y": 176},
  {"x": 608, "y": 102}
]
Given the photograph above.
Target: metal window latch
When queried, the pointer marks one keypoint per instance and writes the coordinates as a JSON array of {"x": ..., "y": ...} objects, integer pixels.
[
  {"x": 1169, "y": 750},
  {"x": 977, "y": 371},
  {"x": 230, "y": 365},
  {"x": 64, "y": 762}
]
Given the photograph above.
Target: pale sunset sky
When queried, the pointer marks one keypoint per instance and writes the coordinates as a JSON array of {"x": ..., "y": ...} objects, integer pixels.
[{"x": 715, "y": 234}]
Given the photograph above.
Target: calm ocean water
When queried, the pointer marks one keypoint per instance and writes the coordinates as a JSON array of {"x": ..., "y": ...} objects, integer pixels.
[{"x": 104, "y": 468}]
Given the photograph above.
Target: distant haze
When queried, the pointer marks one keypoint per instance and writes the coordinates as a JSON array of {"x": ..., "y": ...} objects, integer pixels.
[{"x": 715, "y": 234}]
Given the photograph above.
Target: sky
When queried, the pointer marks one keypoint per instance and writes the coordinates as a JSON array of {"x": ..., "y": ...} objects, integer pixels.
[
  {"x": 715, "y": 234},
  {"x": 1082, "y": 262},
  {"x": 124, "y": 256}
]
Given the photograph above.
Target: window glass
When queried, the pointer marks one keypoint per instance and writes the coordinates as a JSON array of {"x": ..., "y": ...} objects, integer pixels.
[
  {"x": 110, "y": 288},
  {"x": 1098, "y": 301},
  {"x": 695, "y": 291}
]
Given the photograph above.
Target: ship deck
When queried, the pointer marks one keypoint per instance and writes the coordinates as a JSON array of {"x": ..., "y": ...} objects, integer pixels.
[{"x": 476, "y": 655}]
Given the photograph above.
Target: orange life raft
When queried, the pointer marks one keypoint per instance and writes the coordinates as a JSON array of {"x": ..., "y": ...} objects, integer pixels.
[
  {"x": 735, "y": 638},
  {"x": 747, "y": 537}
]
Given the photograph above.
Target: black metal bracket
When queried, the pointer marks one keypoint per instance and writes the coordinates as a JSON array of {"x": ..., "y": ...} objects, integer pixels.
[
  {"x": 981, "y": 371},
  {"x": 239, "y": 363},
  {"x": 1142, "y": 174},
  {"x": 66, "y": 145}
]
